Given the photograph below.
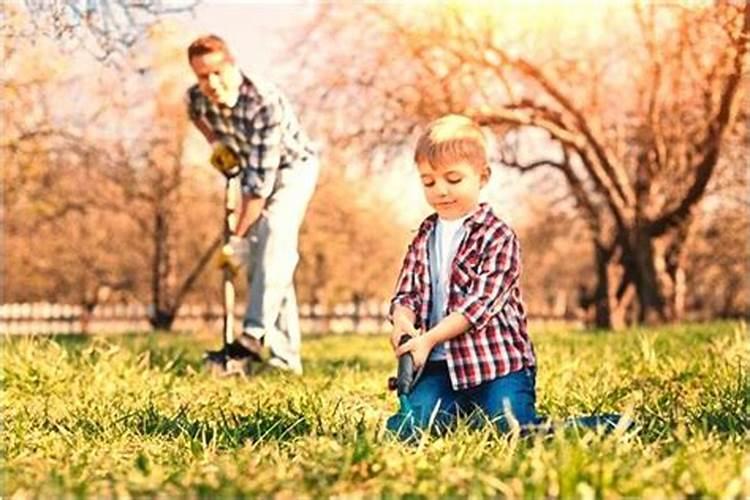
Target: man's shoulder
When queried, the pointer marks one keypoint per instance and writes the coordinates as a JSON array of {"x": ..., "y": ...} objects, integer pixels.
[
  {"x": 261, "y": 88},
  {"x": 194, "y": 95},
  {"x": 194, "y": 91}
]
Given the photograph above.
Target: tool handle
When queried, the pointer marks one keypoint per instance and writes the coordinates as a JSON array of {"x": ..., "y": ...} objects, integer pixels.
[
  {"x": 405, "y": 374},
  {"x": 230, "y": 224}
]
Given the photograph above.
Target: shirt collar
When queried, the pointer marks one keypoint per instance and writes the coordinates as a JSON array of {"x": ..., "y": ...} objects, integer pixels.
[
  {"x": 248, "y": 92},
  {"x": 479, "y": 216}
]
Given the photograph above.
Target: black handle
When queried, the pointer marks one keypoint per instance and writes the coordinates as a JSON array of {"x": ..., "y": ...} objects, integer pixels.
[{"x": 405, "y": 375}]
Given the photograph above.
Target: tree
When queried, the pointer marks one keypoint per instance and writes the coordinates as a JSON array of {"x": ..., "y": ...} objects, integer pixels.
[
  {"x": 171, "y": 203},
  {"x": 108, "y": 29},
  {"x": 633, "y": 120},
  {"x": 49, "y": 180},
  {"x": 103, "y": 197},
  {"x": 350, "y": 244}
]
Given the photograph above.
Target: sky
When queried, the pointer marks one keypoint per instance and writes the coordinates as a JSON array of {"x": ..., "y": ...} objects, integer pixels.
[{"x": 259, "y": 33}]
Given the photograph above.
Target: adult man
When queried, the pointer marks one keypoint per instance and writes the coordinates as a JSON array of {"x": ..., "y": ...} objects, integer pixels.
[{"x": 254, "y": 122}]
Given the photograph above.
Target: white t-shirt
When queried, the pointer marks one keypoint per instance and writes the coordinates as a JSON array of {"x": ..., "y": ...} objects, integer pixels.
[{"x": 444, "y": 244}]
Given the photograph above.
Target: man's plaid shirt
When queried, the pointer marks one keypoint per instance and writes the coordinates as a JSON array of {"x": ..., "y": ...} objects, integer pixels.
[
  {"x": 484, "y": 287},
  {"x": 261, "y": 129}
]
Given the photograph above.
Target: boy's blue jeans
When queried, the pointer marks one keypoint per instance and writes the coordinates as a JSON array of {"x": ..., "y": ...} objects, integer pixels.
[
  {"x": 507, "y": 400},
  {"x": 437, "y": 406}
]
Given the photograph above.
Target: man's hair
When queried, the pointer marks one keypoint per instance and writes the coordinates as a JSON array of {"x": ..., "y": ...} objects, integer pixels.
[
  {"x": 209, "y": 44},
  {"x": 450, "y": 139}
]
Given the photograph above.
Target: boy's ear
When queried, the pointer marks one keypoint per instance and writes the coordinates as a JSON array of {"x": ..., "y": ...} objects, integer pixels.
[{"x": 486, "y": 174}]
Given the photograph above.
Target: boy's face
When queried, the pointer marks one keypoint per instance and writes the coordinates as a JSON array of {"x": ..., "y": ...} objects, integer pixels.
[
  {"x": 452, "y": 190},
  {"x": 218, "y": 78}
]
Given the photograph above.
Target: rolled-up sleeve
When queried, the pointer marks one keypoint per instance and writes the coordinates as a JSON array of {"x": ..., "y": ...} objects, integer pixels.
[
  {"x": 264, "y": 152},
  {"x": 407, "y": 292},
  {"x": 490, "y": 289}
]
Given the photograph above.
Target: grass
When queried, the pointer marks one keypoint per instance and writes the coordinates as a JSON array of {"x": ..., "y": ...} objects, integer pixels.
[{"x": 135, "y": 416}]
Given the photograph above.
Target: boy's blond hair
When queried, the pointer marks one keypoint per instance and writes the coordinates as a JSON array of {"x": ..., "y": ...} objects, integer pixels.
[{"x": 450, "y": 139}]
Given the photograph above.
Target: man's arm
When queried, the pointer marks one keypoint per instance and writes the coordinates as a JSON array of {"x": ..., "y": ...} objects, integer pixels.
[
  {"x": 264, "y": 158},
  {"x": 204, "y": 129},
  {"x": 250, "y": 209},
  {"x": 195, "y": 115}
]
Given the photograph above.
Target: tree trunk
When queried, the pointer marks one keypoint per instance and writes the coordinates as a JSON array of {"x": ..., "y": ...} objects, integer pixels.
[
  {"x": 646, "y": 264},
  {"x": 163, "y": 311},
  {"x": 674, "y": 276},
  {"x": 639, "y": 266},
  {"x": 614, "y": 292},
  {"x": 602, "y": 317},
  {"x": 162, "y": 319}
]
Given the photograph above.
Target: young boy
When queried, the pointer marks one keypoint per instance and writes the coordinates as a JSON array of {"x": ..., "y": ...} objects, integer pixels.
[{"x": 459, "y": 296}]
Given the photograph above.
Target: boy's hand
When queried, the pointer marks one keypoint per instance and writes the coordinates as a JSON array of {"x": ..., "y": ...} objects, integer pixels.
[
  {"x": 224, "y": 160},
  {"x": 402, "y": 327},
  {"x": 419, "y": 347}
]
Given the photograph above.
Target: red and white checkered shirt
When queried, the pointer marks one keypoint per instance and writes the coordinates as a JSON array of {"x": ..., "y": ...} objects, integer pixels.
[{"x": 484, "y": 287}]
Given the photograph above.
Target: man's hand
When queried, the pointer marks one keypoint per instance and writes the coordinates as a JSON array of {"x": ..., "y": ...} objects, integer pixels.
[
  {"x": 225, "y": 161},
  {"x": 419, "y": 347},
  {"x": 233, "y": 254}
]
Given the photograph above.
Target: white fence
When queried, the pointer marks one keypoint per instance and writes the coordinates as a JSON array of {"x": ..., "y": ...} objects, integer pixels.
[{"x": 47, "y": 318}]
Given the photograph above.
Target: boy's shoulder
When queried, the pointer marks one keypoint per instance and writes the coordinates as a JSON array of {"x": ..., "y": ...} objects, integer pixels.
[
  {"x": 427, "y": 225},
  {"x": 487, "y": 228},
  {"x": 484, "y": 223},
  {"x": 487, "y": 218}
]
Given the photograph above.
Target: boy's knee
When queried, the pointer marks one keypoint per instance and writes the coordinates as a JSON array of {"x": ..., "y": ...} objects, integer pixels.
[
  {"x": 403, "y": 426},
  {"x": 511, "y": 412},
  {"x": 411, "y": 424}
]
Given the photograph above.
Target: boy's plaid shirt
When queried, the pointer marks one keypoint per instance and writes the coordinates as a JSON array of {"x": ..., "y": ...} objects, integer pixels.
[
  {"x": 484, "y": 287},
  {"x": 261, "y": 129}
]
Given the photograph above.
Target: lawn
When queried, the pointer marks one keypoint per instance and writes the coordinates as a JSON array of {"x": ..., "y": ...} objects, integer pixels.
[{"x": 135, "y": 415}]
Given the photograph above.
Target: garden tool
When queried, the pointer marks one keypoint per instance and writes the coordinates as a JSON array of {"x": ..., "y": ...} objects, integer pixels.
[
  {"x": 404, "y": 380},
  {"x": 224, "y": 160}
]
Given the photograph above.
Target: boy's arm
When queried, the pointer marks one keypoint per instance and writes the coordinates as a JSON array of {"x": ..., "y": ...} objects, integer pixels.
[
  {"x": 406, "y": 301},
  {"x": 403, "y": 320},
  {"x": 498, "y": 274},
  {"x": 407, "y": 292},
  {"x": 420, "y": 346},
  {"x": 487, "y": 294}
]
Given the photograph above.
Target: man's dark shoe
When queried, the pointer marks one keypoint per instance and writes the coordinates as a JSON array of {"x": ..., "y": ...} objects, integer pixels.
[
  {"x": 215, "y": 362},
  {"x": 246, "y": 346},
  {"x": 218, "y": 363}
]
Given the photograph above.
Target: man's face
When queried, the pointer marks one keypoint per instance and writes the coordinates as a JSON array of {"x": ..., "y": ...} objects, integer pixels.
[
  {"x": 218, "y": 78},
  {"x": 452, "y": 190}
]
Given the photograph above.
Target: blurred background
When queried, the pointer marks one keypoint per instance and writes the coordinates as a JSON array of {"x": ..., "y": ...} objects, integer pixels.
[{"x": 619, "y": 130}]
